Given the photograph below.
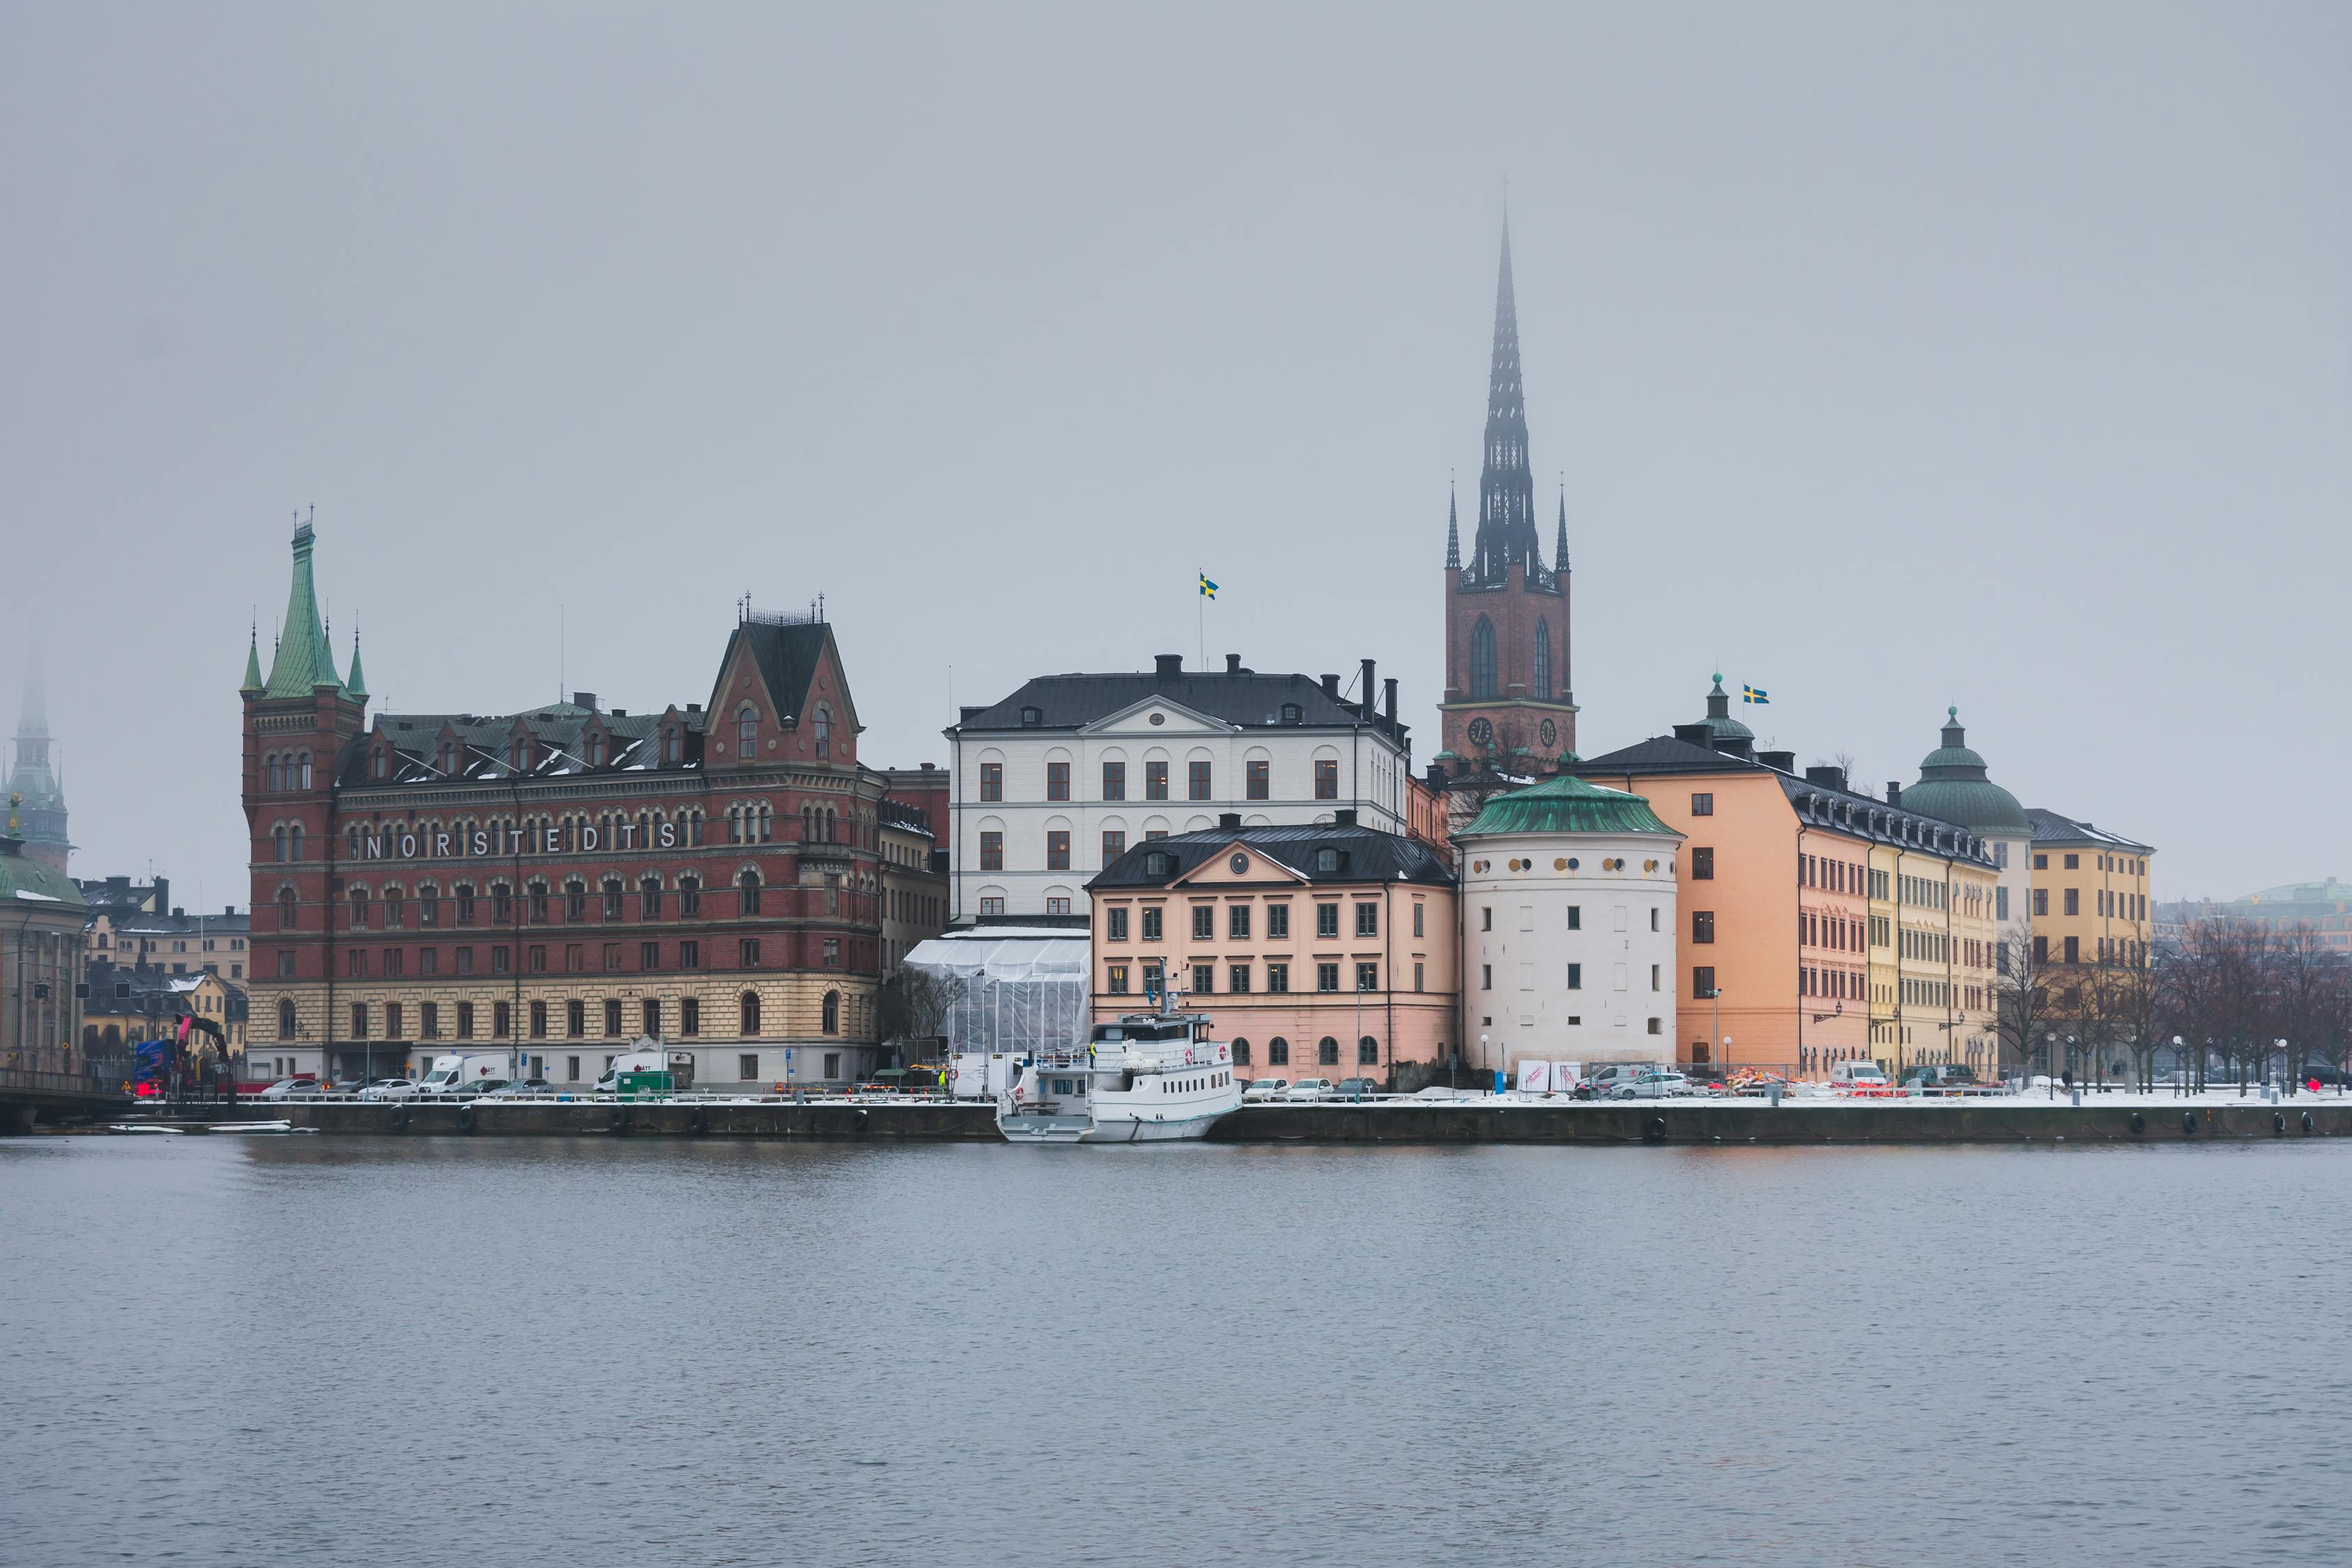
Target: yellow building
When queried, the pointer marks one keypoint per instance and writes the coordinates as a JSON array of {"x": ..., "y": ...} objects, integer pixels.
[
  {"x": 2091, "y": 895},
  {"x": 1932, "y": 936}
]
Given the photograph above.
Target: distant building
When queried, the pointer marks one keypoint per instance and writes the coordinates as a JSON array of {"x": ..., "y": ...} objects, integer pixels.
[
  {"x": 1321, "y": 950},
  {"x": 1568, "y": 928},
  {"x": 1058, "y": 781},
  {"x": 2090, "y": 892},
  {"x": 2323, "y": 907},
  {"x": 129, "y": 1002},
  {"x": 173, "y": 942},
  {"x": 1955, "y": 785},
  {"x": 41, "y": 914},
  {"x": 914, "y": 882},
  {"x": 34, "y": 793}
]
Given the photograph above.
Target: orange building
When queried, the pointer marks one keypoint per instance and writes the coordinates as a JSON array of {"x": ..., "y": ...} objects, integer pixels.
[{"x": 1775, "y": 904}]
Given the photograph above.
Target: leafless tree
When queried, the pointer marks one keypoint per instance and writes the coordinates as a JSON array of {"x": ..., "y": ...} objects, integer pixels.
[
  {"x": 2023, "y": 996},
  {"x": 916, "y": 1002}
]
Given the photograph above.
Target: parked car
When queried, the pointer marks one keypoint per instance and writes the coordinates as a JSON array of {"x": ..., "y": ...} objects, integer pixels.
[
  {"x": 1259, "y": 1089},
  {"x": 1939, "y": 1075},
  {"x": 1356, "y": 1089},
  {"x": 1653, "y": 1086},
  {"x": 1310, "y": 1089},
  {"x": 389, "y": 1088},
  {"x": 479, "y": 1087},
  {"x": 288, "y": 1087},
  {"x": 1603, "y": 1082},
  {"x": 524, "y": 1086}
]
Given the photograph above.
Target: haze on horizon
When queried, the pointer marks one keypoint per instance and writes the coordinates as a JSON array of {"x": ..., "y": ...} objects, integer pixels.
[{"x": 1892, "y": 360}]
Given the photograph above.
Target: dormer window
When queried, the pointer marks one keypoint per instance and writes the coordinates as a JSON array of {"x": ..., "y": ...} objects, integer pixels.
[
  {"x": 1159, "y": 865},
  {"x": 670, "y": 746},
  {"x": 595, "y": 749},
  {"x": 1031, "y": 718},
  {"x": 1327, "y": 860},
  {"x": 382, "y": 764},
  {"x": 746, "y": 728},
  {"x": 1292, "y": 713}
]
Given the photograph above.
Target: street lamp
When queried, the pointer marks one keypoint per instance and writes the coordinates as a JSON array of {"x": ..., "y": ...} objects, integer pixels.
[
  {"x": 1486, "y": 1061},
  {"x": 2179, "y": 1066}
]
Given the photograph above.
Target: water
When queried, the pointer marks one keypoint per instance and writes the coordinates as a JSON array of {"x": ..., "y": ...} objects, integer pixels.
[{"x": 481, "y": 1353}]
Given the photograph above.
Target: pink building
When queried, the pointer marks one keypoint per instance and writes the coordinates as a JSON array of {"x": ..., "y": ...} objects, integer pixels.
[{"x": 1321, "y": 951}]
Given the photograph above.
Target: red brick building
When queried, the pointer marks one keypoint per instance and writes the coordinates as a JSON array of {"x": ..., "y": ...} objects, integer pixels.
[
  {"x": 1508, "y": 709},
  {"x": 556, "y": 883}
]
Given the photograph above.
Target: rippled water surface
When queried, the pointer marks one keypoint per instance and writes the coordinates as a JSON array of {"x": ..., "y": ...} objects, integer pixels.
[{"x": 302, "y": 1351}]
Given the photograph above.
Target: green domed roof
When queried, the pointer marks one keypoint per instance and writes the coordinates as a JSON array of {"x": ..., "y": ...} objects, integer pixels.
[
  {"x": 1565, "y": 804},
  {"x": 1953, "y": 786},
  {"x": 1720, "y": 721}
]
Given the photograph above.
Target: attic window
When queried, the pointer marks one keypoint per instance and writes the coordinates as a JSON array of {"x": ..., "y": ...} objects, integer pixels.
[
  {"x": 595, "y": 751},
  {"x": 1327, "y": 860},
  {"x": 746, "y": 728},
  {"x": 1292, "y": 713},
  {"x": 1157, "y": 865},
  {"x": 824, "y": 725},
  {"x": 1031, "y": 718}
]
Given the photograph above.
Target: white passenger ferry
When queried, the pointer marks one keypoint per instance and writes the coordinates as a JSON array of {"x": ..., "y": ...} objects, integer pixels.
[{"x": 1149, "y": 1078}]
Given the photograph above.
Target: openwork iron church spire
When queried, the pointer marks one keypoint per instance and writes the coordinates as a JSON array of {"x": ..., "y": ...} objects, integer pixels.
[{"x": 1507, "y": 488}]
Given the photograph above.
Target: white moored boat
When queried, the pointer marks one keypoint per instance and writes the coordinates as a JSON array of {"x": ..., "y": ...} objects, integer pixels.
[{"x": 1149, "y": 1078}]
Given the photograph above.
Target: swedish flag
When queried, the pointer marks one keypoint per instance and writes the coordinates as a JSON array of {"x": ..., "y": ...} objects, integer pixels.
[
  {"x": 1753, "y": 694},
  {"x": 1208, "y": 589}
]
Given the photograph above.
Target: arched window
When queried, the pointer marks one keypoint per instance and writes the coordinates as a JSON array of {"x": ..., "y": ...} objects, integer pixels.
[
  {"x": 286, "y": 909},
  {"x": 1277, "y": 1052},
  {"x": 670, "y": 746},
  {"x": 1367, "y": 1052},
  {"x": 359, "y": 909},
  {"x": 294, "y": 842},
  {"x": 276, "y": 772},
  {"x": 766, "y": 822},
  {"x": 595, "y": 749},
  {"x": 1240, "y": 1053},
  {"x": 1543, "y": 661},
  {"x": 1326, "y": 1052},
  {"x": 306, "y": 770},
  {"x": 575, "y": 901},
  {"x": 832, "y": 1012},
  {"x": 1482, "y": 658},
  {"x": 649, "y": 897},
  {"x": 751, "y": 1010},
  {"x": 747, "y": 898},
  {"x": 286, "y": 1018},
  {"x": 613, "y": 898},
  {"x": 824, "y": 732},
  {"x": 746, "y": 728},
  {"x": 538, "y": 903},
  {"x": 428, "y": 905},
  {"x": 277, "y": 834},
  {"x": 394, "y": 911},
  {"x": 689, "y": 896}
]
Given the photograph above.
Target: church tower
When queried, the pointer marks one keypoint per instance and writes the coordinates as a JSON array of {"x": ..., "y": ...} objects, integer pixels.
[
  {"x": 1508, "y": 708},
  {"x": 34, "y": 798}
]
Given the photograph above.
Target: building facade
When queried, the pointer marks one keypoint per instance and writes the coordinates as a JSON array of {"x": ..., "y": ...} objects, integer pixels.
[
  {"x": 2091, "y": 892},
  {"x": 35, "y": 794},
  {"x": 1508, "y": 706},
  {"x": 559, "y": 882},
  {"x": 1956, "y": 786},
  {"x": 1819, "y": 925},
  {"x": 41, "y": 963},
  {"x": 1568, "y": 928},
  {"x": 172, "y": 942},
  {"x": 1321, "y": 951},
  {"x": 1056, "y": 782}
]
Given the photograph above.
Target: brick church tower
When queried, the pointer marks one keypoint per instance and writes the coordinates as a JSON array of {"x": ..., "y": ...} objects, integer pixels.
[{"x": 1508, "y": 708}]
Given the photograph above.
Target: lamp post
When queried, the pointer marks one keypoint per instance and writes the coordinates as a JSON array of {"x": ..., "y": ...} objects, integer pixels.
[
  {"x": 2179, "y": 1066},
  {"x": 2049, "y": 1061},
  {"x": 1485, "y": 1061},
  {"x": 1715, "y": 1025}
]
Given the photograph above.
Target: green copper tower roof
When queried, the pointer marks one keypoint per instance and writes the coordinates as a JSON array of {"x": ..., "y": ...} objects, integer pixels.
[
  {"x": 1565, "y": 804},
  {"x": 356, "y": 685},
  {"x": 304, "y": 661},
  {"x": 1720, "y": 721},
  {"x": 252, "y": 681},
  {"x": 1952, "y": 786}
]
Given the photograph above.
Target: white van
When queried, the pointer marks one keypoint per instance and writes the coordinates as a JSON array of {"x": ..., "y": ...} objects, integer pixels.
[
  {"x": 1858, "y": 1075},
  {"x": 461, "y": 1074}
]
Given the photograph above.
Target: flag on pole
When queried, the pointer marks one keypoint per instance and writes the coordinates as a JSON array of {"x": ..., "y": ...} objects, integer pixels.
[
  {"x": 1753, "y": 694},
  {"x": 1208, "y": 589}
]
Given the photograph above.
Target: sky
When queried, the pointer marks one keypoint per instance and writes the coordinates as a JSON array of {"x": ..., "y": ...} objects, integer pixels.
[{"x": 1889, "y": 358}]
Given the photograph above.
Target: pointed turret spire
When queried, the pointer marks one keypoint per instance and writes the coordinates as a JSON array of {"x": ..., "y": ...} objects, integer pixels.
[
  {"x": 1453, "y": 534},
  {"x": 1507, "y": 534},
  {"x": 37, "y": 794},
  {"x": 251, "y": 684},
  {"x": 356, "y": 685},
  {"x": 304, "y": 661},
  {"x": 1559, "y": 547}
]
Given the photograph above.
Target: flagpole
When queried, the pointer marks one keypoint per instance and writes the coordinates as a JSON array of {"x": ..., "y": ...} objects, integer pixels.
[{"x": 1201, "y": 616}]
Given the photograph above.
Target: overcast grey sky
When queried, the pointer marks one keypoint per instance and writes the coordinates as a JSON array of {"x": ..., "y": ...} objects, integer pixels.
[{"x": 1893, "y": 358}]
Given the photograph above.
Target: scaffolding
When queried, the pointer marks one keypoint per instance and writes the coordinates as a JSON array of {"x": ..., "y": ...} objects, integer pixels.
[{"x": 1016, "y": 989}]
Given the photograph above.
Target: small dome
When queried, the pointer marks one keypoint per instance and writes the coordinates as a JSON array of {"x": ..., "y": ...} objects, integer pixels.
[
  {"x": 1719, "y": 722},
  {"x": 1953, "y": 786},
  {"x": 1565, "y": 804}
]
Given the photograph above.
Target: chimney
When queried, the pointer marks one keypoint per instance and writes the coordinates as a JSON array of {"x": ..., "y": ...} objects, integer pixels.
[
  {"x": 584, "y": 700},
  {"x": 1232, "y": 664},
  {"x": 1168, "y": 665},
  {"x": 1693, "y": 734},
  {"x": 230, "y": 912},
  {"x": 1388, "y": 700},
  {"x": 1826, "y": 775},
  {"x": 1364, "y": 691},
  {"x": 970, "y": 714},
  {"x": 1895, "y": 792},
  {"x": 1779, "y": 762},
  {"x": 1344, "y": 817},
  {"x": 178, "y": 913},
  {"x": 931, "y": 767},
  {"x": 1331, "y": 685},
  {"x": 1229, "y": 819}
]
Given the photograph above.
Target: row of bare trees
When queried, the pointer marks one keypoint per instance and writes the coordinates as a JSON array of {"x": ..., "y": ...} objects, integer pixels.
[{"x": 2229, "y": 991}]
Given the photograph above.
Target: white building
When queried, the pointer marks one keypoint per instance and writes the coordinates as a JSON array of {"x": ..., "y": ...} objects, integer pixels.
[
  {"x": 1056, "y": 781},
  {"x": 1568, "y": 928}
]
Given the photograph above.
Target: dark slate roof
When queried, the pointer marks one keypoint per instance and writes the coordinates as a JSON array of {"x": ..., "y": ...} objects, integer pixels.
[
  {"x": 1821, "y": 805},
  {"x": 2049, "y": 827},
  {"x": 132, "y": 923},
  {"x": 560, "y": 728},
  {"x": 788, "y": 657},
  {"x": 1243, "y": 698},
  {"x": 1367, "y": 855}
]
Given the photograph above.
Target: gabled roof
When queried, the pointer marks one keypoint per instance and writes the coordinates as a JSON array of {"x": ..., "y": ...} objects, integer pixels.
[
  {"x": 1366, "y": 855},
  {"x": 1242, "y": 698},
  {"x": 2049, "y": 827},
  {"x": 788, "y": 657}
]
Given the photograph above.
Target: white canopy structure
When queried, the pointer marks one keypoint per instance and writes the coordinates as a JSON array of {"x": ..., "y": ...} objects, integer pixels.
[{"x": 1018, "y": 988}]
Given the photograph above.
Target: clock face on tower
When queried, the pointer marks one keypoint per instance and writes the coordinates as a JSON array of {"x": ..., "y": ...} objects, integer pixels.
[
  {"x": 1551, "y": 733},
  {"x": 1481, "y": 732}
]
